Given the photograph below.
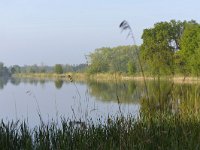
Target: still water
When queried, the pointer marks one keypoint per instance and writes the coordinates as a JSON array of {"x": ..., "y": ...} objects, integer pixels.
[{"x": 25, "y": 99}]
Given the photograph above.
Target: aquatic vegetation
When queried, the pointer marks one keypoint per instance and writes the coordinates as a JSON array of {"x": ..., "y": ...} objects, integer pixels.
[{"x": 160, "y": 131}]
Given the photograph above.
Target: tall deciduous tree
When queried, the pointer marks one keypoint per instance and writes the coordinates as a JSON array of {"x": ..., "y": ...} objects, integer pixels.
[
  {"x": 58, "y": 69},
  {"x": 190, "y": 48},
  {"x": 159, "y": 45},
  {"x": 4, "y": 70}
]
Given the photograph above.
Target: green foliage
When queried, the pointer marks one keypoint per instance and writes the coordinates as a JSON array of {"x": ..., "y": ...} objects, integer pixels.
[
  {"x": 4, "y": 70},
  {"x": 172, "y": 46},
  {"x": 168, "y": 48},
  {"x": 190, "y": 48},
  {"x": 158, "y": 131},
  {"x": 131, "y": 68},
  {"x": 58, "y": 69},
  {"x": 77, "y": 68},
  {"x": 15, "y": 69},
  {"x": 111, "y": 59},
  {"x": 99, "y": 60},
  {"x": 47, "y": 69},
  {"x": 159, "y": 45}
]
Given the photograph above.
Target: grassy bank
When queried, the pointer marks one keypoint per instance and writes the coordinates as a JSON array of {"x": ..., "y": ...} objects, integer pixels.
[
  {"x": 106, "y": 77},
  {"x": 158, "y": 132},
  {"x": 53, "y": 76},
  {"x": 155, "y": 129}
]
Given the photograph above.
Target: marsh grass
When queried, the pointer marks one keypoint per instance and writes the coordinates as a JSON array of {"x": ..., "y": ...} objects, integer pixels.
[
  {"x": 155, "y": 128},
  {"x": 155, "y": 132}
]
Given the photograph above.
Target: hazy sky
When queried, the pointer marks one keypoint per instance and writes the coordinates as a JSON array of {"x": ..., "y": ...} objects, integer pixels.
[{"x": 64, "y": 31}]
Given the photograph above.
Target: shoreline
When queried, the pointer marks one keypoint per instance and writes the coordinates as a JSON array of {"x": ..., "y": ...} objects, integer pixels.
[{"x": 105, "y": 77}]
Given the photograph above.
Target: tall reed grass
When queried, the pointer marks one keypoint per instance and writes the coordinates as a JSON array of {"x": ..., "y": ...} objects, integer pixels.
[{"x": 160, "y": 131}]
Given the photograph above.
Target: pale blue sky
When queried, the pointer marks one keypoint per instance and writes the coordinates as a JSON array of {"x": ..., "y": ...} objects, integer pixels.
[{"x": 63, "y": 31}]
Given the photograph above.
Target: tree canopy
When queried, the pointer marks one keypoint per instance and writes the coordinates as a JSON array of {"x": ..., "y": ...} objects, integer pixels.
[
  {"x": 171, "y": 46},
  {"x": 4, "y": 71},
  {"x": 160, "y": 43},
  {"x": 190, "y": 48},
  {"x": 58, "y": 69},
  {"x": 117, "y": 59},
  {"x": 168, "y": 48}
]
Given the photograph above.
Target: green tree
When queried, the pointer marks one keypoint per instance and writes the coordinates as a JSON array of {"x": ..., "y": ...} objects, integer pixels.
[
  {"x": 1, "y": 68},
  {"x": 99, "y": 61},
  {"x": 58, "y": 69},
  {"x": 131, "y": 67},
  {"x": 190, "y": 47},
  {"x": 4, "y": 71},
  {"x": 112, "y": 59},
  {"x": 176, "y": 31},
  {"x": 15, "y": 69},
  {"x": 159, "y": 46},
  {"x": 43, "y": 70}
]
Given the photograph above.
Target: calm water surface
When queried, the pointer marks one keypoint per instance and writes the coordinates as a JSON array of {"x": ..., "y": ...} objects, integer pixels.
[{"x": 24, "y": 99}]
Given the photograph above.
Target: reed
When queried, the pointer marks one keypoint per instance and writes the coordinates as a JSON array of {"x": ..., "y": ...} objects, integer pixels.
[{"x": 155, "y": 132}]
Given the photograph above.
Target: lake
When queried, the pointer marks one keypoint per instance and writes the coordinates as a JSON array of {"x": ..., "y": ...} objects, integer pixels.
[{"x": 27, "y": 99}]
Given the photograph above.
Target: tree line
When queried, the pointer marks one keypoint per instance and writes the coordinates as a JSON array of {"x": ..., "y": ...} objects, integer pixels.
[
  {"x": 4, "y": 71},
  {"x": 58, "y": 68},
  {"x": 118, "y": 59},
  {"x": 168, "y": 48}
]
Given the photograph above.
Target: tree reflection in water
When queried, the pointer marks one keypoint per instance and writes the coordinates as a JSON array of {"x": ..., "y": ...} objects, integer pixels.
[
  {"x": 58, "y": 84},
  {"x": 164, "y": 96}
]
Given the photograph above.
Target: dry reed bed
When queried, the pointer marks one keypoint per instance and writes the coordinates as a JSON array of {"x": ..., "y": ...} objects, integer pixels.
[{"x": 106, "y": 77}]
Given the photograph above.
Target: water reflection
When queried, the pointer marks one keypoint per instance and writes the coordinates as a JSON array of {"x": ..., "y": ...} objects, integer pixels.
[
  {"x": 58, "y": 84},
  {"x": 167, "y": 97},
  {"x": 163, "y": 96},
  {"x": 102, "y": 97},
  {"x": 3, "y": 82},
  {"x": 18, "y": 81},
  {"x": 15, "y": 81},
  {"x": 32, "y": 81},
  {"x": 127, "y": 92}
]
